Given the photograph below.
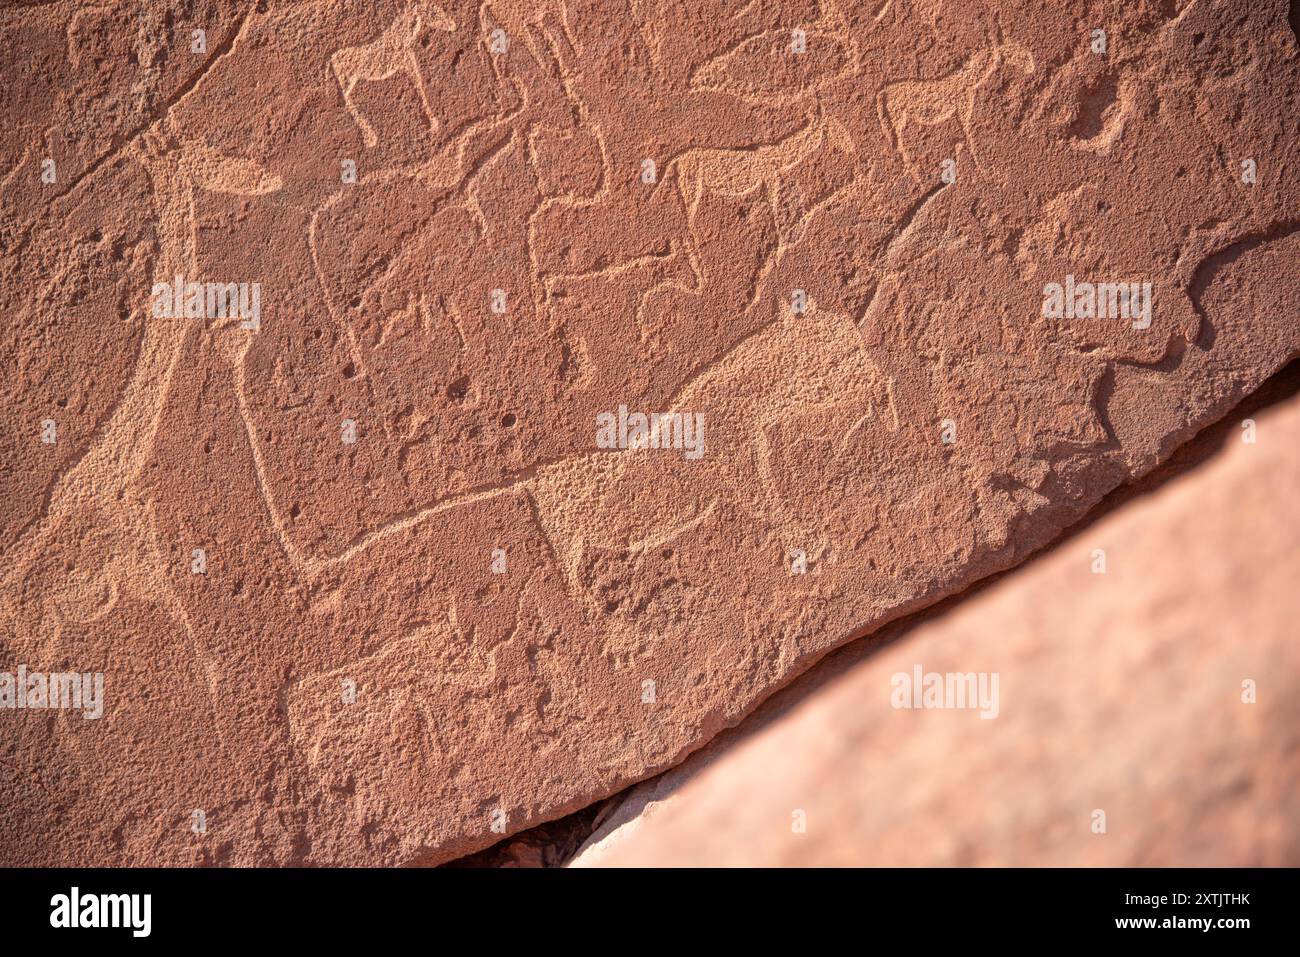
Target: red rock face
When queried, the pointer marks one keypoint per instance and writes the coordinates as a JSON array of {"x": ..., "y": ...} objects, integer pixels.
[
  {"x": 1135, "y": 704},
  {"x": 439, "y": 599}
]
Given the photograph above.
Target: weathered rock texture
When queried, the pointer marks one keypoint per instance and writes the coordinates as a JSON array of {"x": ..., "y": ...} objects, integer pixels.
[
  {"x": 1119, "y": 692},
  {"x": 503, "y": 271}
]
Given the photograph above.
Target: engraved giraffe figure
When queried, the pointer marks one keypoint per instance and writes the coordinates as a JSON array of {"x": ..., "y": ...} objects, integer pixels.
[{"x": 103, "y": 480}]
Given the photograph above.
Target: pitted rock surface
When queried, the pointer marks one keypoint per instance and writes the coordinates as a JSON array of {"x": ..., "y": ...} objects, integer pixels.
[{"x": 475, "y": 618}]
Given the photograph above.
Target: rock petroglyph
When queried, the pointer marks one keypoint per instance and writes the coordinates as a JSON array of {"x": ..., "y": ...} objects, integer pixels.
[{"x": 364, "y": 584}]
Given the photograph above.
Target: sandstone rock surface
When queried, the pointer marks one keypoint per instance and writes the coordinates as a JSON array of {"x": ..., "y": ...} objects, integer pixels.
[
  {"x": 1121, "y": 692},
  {"x": 473, "y": 618}
]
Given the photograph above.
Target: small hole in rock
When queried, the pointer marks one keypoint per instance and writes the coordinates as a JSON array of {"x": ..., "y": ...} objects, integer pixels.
[{"x": 509, "y": 420}]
